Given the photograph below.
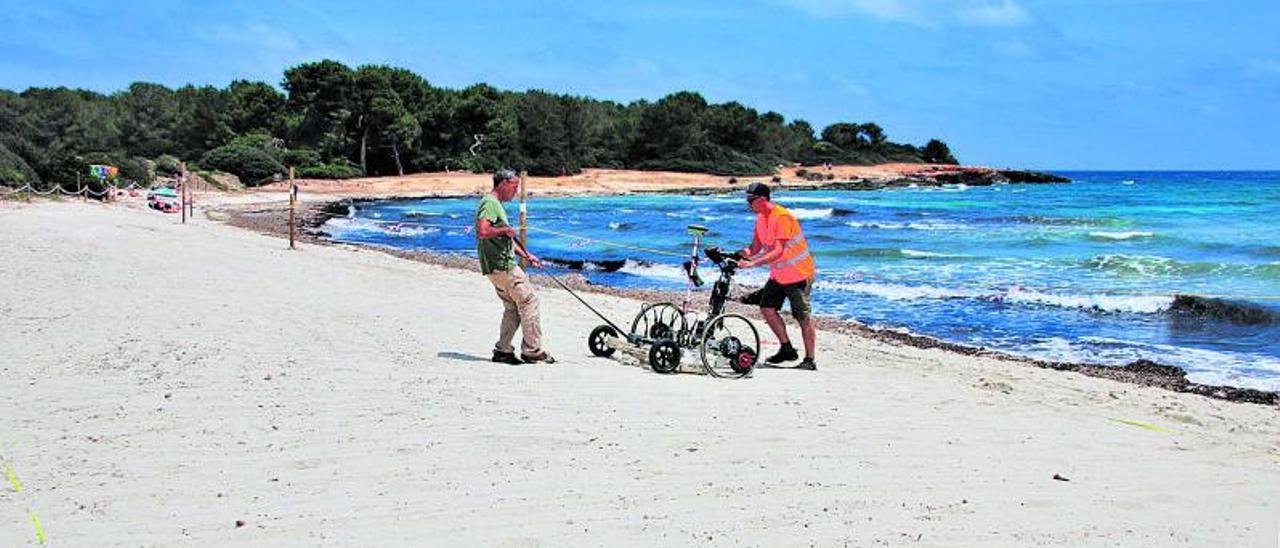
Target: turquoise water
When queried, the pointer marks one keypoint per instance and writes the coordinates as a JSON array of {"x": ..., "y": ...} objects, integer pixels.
[{"x": 1079, "y": 272}]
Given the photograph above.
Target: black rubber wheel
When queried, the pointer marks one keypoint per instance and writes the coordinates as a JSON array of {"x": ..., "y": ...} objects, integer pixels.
[
  {"x": 597, "y": 341},
  {"x": 664, "y": 356},
  {"x": 744, "y": 361}
]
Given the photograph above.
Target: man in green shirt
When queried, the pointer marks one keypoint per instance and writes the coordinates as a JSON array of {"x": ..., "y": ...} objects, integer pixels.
[{"x": 497, "y": 251}]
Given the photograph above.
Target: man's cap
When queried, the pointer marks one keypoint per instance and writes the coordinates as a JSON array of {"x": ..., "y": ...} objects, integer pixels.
[{"x": 758, "y": 189}]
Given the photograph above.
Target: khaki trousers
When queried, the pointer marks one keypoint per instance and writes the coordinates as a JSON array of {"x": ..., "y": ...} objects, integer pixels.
[{"x": 520, "y": 309}]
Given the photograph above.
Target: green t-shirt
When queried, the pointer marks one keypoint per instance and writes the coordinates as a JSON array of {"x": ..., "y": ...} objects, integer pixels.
[{"x": 496, "y": 254}]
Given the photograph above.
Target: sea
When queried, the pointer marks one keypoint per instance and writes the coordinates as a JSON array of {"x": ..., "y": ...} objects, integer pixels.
[{"x": 1088, "y": 271}]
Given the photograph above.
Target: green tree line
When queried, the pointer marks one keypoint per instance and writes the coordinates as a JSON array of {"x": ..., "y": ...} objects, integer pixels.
[{"x": 334, "y": 121}]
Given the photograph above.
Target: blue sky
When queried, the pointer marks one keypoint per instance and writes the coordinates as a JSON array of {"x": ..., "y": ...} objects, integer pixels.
[{"x": 1053, "y": 84}]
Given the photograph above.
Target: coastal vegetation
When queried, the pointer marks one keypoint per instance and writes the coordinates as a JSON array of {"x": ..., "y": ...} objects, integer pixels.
[{"x": 329, "y": 120}]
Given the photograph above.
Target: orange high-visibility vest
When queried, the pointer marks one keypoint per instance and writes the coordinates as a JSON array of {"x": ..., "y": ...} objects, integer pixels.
[{"x": 795, "y": 264}]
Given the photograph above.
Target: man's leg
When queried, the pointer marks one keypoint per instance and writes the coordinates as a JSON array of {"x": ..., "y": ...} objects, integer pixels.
[
  {"x": 801, "y": 308},
  {"x": 526, "y": 302},
  {"x": 770, "y": 301},
  {"x": 779, "y": 327},
  {"x": 809, "y": 333},
  {"x": 510, "y": 312}
]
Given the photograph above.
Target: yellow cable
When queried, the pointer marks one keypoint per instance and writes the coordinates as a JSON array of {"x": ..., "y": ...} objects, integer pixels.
[
  {"x": 13, "y": 478},
  {"x": 35, "y": 520},
  {"x": 17, "y": 486},
  {"x": 609, "y": 243},
  {"x": 1140, "y": 424}
]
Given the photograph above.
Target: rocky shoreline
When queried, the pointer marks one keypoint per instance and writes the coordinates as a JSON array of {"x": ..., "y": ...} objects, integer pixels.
[
  {"x": 273, "y": 220},
  {"x": 932, "y": 177}
]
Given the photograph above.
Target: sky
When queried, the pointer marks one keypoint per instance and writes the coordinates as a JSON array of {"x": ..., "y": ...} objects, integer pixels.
[{"x": 1048, "y": 84}]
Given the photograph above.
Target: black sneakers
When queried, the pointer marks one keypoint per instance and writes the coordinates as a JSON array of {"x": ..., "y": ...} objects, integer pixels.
[
  {"x": 542, "y": 356},
  {"x": 785, "y": 354},
  {"x": 508, "y": 358},
  {"x": 808, "y": 365}
]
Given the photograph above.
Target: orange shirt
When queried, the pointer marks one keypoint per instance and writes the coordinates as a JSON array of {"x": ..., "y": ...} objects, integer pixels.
[{"x": 780, "y": 226}]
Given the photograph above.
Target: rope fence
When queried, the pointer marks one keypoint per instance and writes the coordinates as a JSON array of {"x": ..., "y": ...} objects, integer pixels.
[{"x": 58, "y": 189}]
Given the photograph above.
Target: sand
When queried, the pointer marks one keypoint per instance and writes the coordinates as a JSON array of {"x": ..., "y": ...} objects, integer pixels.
[
  {"x": 164, "y": 381},
  {"x": 590, "y": 181}
]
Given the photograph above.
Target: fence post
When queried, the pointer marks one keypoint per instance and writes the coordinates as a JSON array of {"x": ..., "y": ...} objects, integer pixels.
[
  {"x": 524, "y": 220},
  {"x": 293, "y": 203},
  {"x": 191, "y": 196},
  {"x": 182, "y": 191}
]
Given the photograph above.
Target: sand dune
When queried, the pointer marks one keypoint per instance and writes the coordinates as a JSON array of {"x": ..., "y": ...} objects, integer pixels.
[{"x": 164, "y": 381}]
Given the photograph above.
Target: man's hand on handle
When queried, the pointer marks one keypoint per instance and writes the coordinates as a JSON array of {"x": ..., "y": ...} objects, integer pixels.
[{"x": 533, "y": 259}]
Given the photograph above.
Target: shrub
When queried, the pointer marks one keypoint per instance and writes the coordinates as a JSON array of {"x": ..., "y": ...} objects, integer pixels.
[
  {"x": 14, "y": 171},
  {"x": 300, "y": 158},
  {"x": 253, "y": 166},
  {"x": 553, "y": 167},
  {"x": 260, "y": 141},
  {"x": 168, "y": 165},
  {"x": 801, "y": 172},
  {"x": 330, "y": 171},
  {"x": 134, "y": 169}
]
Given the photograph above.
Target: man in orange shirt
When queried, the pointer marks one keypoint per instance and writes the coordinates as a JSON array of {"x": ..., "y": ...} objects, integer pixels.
[{"x": 779, "y": 243}]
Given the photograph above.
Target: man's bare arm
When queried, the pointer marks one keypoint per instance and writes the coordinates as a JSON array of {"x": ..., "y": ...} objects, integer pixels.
[
  {"x": 486, "y": 231},
  {"x": 769, "y": 255}
]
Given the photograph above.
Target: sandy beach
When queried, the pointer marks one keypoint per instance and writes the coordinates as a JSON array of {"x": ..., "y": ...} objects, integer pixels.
[
  {"x": 599, "y": 181},
  {"x": 202, "y": 385}
]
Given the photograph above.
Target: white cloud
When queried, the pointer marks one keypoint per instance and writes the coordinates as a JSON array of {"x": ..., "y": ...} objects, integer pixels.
[
  {"x": 1002, "y": 13},
  {"x": 923, "y": 13}
]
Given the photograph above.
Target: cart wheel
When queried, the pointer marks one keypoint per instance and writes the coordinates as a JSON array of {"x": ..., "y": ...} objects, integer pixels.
[
  {"x": 729, "y": 344},
  {"x": 659, "y": 321},
  {"x": 664, "y": 356},
  {"x": 598, "y": 341}
]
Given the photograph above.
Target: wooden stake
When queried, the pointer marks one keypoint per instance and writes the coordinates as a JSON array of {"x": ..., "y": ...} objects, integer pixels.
[
  {"x": 524, "y": 220},
  {"x": 293, "y": 203},
  {"x": 182, "y": 193}
]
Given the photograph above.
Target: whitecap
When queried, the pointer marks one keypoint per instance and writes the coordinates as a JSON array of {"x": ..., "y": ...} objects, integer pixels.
[
  {"x": 886, "y": 225},
  {"x": 926, "y": 254},
  {"x": 1137, "y": 304},
  {"x": 817, "y": 213},
  {"x": 1130, "y": 235},
  {"x": 806, "y": 199}
]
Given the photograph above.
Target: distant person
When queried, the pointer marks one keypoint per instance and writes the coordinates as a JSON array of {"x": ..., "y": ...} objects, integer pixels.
[
  {"x": 497, "y": 250},
  {"x": 779, "y": 243}
]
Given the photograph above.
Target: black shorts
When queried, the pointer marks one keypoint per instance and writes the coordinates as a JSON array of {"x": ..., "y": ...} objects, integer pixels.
[{"x": 796, "y": 293}]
